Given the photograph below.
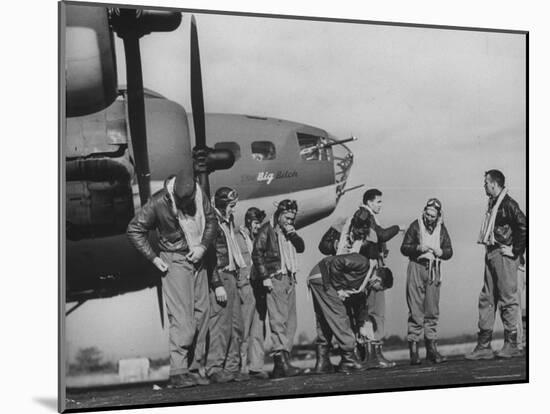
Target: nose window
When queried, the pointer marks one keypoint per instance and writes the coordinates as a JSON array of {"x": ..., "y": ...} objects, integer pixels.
[
  {"x": 312, "y": 147},
  {"x": 263, "y": 150}
]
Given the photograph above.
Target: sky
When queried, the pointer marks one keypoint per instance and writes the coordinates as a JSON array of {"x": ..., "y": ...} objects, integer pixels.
[{"x": 432, "y": 109}]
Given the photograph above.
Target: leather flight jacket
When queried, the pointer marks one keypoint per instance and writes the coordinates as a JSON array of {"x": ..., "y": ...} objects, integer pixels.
[
  {"x": 411, "y": 241},
  {"x": 157, "y": 214},
  {"x": 266, "y": 256},
  {"x": 365, "y": 220},
  {"x": 511, "y": 226},
  {"x": 345, "y": 271}
]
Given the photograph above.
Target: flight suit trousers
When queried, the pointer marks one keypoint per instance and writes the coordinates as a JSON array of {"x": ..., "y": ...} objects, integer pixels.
[
  {"x": 281, "y": 308},
  {"x": 423, "y": 303},
  {"x": 500, "y": 288},
  {"x": 254, "y": 313},
  {"x": 225, "y": 328},
  {"x": 331, "y": 317},
  {"x": 185, "y": 292}
]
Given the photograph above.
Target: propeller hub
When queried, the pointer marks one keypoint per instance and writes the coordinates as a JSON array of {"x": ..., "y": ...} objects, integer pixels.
[
  {"x": 207, "y": 160},
  {"x": 139, "y": 22}
]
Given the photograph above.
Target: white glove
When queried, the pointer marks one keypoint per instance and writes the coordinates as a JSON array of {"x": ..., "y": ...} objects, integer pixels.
[
  {"x": 160, "y": 264},
  {"x": 195, "y": 253},
  {"x": 268, "y": 284},
  {"x": 221, "y": 295},
  {"x": 342, "y": 294}
]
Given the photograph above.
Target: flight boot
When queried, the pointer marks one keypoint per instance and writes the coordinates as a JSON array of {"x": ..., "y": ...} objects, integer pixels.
[
  {"x": 432, "y": 354},
  {"x": 510, "y": 348},
  {"x": 323, "y": 364},
  {"x": 483, "y": 348},
  {"x": 181, "y": 381},
  {"x": 258, "y": 375},
  {"x": 221, "y": 377},
  {"x": 349, "y": 363},
  {"x": 278, "y": 366},
  {"x": 361, "y": 351},
  {"x": 413, "y": 353},
  {"x": 290, "y": 370},
  {"x": 376, "y": 358},
  {"x": 241, "y": 376},
  {"x": 199, "y": 379}
]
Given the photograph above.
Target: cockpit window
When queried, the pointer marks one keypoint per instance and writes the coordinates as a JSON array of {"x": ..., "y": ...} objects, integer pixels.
[
  {"x": 231, "y": 146},
  {"x": 263, "y": 150},
  {"x": 311, "y": 147}
]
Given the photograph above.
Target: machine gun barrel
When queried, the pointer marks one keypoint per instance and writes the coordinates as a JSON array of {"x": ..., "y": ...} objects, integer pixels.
[
  {"x": 316, "y": 148},
  {"x": 341, "y": 142}
]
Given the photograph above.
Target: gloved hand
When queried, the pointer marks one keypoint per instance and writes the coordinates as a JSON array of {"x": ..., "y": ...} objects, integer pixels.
[
  {"x": 438, "y": 252},
  {"x": 221, "y": 295},
  {"x": 288, "y": 229},
  {"x": 342, "y": 294},
  {"x": 268, "y": 284},
  {"x": 160, "y": 264},
  {"x": 195, "y": 253}
]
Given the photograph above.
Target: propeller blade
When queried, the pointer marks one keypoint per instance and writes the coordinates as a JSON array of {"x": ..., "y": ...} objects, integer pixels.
[
  {"x": 197, "y": 101},
  {"x": 136, "y": 117},
  {"x": 201, "y": 151},
  {"x": 160, "y": 300},
  {"x": 125, "y": 21}
]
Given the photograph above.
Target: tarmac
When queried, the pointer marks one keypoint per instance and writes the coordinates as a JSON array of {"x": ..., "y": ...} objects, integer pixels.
[{"x": 454, "y": 373}]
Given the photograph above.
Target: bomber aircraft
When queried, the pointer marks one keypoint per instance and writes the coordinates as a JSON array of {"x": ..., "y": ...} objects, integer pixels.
[{"x": 120, "y": 144}]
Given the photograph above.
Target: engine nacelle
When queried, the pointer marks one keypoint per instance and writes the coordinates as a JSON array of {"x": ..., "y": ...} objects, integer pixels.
[{"x": 90, "y": 64}]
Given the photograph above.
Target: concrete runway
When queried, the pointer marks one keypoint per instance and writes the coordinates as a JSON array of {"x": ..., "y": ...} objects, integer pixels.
[{"x": 455, "y": 372}]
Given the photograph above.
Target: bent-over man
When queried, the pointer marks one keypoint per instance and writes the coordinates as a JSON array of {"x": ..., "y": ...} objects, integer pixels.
[
  {"x": 347, "y": 237},
  {"x": 186, "y": 226},
  {"x": 333, "y": 280}
]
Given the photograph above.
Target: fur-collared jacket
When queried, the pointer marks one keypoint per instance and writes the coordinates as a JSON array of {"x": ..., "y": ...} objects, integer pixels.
[
  {"x": 158, "y": 214},
  {"x": 266, "y": 256},
  {"x": 362, "y": 221}
]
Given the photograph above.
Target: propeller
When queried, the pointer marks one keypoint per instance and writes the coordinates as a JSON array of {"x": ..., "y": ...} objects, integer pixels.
[
  {"x": 200, "y": 152},
  {"x": 130, "y": 25},
  {"x": 206, "y": 159}
]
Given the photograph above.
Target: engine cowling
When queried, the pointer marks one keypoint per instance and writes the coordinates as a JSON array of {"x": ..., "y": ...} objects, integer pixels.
[{"x": 90, "y": 64}]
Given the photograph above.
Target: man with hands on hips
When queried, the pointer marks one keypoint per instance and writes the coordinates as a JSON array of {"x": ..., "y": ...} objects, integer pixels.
[{"x": 504, "y": 234}]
